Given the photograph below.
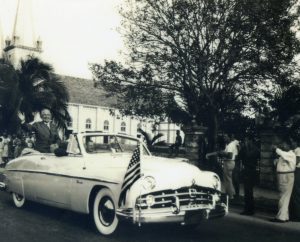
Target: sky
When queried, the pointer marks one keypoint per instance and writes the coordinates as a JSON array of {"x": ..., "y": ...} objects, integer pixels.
[{"x": 74, "y": 32}]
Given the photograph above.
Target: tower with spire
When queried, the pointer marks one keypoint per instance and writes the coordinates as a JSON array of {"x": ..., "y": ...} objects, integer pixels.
[{"x": 23, "y": 42}]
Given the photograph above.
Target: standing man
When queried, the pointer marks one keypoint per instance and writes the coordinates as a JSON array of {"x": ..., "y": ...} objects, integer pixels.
[
  {"x": 295, "y": 199},
  {"x": 46, "y": 133},
  {"x": 285, "y": 168},
  {"x": 177, "y": 144},
  {"x": 230, "y": 154},
  {"x": 237, "y": 167},
  {"x": 249, "y": 156}
]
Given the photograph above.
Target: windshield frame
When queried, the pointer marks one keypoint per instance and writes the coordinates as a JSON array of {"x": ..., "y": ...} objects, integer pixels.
[{"x": 82, "y": 137}]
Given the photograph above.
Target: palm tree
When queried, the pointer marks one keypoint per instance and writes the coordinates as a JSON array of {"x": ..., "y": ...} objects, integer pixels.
[
  {"x": 151, "y": 142},
  {"x": 37, "y": 87}
]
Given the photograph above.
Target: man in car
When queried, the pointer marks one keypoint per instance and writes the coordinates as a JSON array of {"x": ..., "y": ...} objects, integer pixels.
[
  {"x": 90, "y": 146},
  {"x": 46, "y": 132}
]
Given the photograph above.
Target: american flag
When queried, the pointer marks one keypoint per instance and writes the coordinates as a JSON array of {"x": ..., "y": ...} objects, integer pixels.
[{"x": 133, "y": 173}]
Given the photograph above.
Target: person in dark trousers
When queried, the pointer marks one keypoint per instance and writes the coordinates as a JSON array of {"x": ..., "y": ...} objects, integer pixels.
[
  {"x": 176, "y": 145},
  {"x": 295, "y": 199},
  {"x": 249, "y": 155}
]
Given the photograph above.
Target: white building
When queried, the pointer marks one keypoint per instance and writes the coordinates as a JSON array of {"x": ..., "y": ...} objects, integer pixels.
[{"x": 89, "y": 107}]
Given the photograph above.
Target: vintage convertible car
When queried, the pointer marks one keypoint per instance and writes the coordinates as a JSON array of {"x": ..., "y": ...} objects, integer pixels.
[{"x": 87, "y": 177}]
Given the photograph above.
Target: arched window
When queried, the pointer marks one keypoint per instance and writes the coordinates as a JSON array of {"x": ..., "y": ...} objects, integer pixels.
[
  {"x": 106, "y": 125},
  {"x": 123, "y": 127},
  {"x": 88, "y": 123}
]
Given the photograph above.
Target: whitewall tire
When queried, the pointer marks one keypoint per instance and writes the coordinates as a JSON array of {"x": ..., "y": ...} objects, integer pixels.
[
  {"x": 18, "y": 200},
  {"x": 104, "y": 212}
]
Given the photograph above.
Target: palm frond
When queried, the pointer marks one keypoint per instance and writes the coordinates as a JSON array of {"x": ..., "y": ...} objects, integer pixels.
[
  {"x": 156, "y": 137},
  {"x": 146, "y": 137},
  {"x": 41, "y": 88}
]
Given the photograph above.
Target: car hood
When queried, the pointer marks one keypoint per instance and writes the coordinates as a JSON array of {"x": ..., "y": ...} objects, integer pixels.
[
  {"x": 168, "y": 173},
  {"x": 176, "y": 173}
]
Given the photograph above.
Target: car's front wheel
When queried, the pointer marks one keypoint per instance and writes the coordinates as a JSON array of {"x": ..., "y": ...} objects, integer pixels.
[
  {"x": 19, "y": 200},
  {"x": 104, "y": 212}
]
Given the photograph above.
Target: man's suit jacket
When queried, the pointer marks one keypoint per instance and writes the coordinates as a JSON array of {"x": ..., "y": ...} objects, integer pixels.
[{"x": 44, "y": 136}]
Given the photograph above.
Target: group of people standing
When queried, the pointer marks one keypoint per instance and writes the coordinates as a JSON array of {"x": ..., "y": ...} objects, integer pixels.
[
  {"x": 240, "y": 161},
  {"x": 11, "y": 146}
]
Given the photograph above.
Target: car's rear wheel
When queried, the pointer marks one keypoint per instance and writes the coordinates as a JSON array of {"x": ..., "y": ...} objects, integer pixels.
[
  {"x": 104, "y": 212},
  {"x": 19, "y": 200}
]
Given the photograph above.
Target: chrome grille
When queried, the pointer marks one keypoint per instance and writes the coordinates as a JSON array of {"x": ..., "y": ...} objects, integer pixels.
[{"x": 195, "y": 195}]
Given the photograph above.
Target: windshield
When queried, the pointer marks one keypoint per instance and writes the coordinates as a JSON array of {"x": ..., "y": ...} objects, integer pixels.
[{"x": 111, "y": 144}]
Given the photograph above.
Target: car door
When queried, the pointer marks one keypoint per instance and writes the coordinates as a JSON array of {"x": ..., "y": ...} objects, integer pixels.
[
  {"x": 24, "y": 177},
  {"x": 56, "y": 175}
]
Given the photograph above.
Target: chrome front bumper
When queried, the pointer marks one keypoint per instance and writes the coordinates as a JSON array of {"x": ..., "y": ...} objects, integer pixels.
[{"x": 183, "y": 215}]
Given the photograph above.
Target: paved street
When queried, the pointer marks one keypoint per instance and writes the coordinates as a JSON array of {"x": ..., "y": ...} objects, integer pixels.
[{"x": 42, "y": 223}]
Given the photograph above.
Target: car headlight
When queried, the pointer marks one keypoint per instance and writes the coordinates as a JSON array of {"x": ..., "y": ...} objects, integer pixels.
[
  {"x": 216, "y": 182},
  {"x": 149, "y": 183}
]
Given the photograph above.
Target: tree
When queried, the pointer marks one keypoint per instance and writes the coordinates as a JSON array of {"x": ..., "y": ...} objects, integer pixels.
[
  {"x": 202, "y": 59},
  {"x": 286, "y": 109},
  {"x": 29, "y": 89}
]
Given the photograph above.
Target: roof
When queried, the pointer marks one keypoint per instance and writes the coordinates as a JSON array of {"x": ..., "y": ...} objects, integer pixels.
[{"x": 82, "y": 91}]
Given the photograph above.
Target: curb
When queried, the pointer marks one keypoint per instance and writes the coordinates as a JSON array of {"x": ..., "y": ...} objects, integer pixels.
[{"x": 261, "y": 204}]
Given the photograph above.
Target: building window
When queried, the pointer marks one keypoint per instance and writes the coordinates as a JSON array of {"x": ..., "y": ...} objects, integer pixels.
[
  {"x": 138, "y": 128},
  {"x": 123, "y": 127},
  {"x": 88, "y": 124},
  {"x": 106, "y": 125}
]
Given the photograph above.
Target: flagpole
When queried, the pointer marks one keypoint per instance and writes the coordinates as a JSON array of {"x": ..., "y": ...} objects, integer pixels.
[
  {"x": 141, "y": 156},
  {"x": 141, "y": 170}
]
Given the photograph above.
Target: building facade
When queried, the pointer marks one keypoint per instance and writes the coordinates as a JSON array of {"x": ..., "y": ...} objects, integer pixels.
[{"x": 90, "y": 108}]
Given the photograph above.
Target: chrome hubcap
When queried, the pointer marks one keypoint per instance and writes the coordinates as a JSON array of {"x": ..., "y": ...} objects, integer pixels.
[
  {"x": 19, "y": 197},
  {"x": 106, "y": 211}
]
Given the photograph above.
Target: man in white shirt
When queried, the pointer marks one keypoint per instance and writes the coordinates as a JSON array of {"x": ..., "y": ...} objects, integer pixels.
[
  {"x": 231, "y": 151},
  {"x": 285, "y": 168}
]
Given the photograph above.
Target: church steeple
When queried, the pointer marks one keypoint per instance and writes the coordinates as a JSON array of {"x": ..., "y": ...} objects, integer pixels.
[{"x": 23, "y": 42}]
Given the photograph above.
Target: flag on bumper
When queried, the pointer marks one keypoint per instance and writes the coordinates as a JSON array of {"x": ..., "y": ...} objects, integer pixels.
[{"x": 133, "y": 173}]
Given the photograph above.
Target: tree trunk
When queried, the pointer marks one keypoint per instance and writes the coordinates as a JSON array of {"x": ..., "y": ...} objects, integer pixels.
[{"x": 213, "y": 131}]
